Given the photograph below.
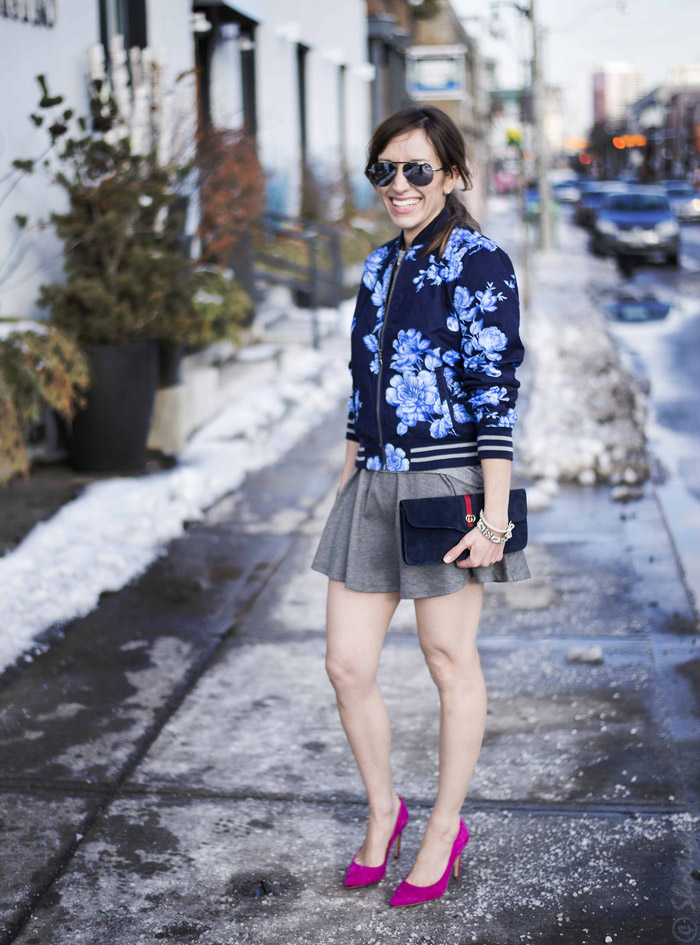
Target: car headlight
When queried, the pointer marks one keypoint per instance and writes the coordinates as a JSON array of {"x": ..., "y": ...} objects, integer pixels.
[
  {"x": 606, "y": 226},
  {"x": 695, "y": 203},
  {"x": 667, "y": 228}
]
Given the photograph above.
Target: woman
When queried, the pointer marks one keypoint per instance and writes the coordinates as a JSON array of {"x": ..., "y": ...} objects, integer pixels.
[{"x": 434, "y": 347}]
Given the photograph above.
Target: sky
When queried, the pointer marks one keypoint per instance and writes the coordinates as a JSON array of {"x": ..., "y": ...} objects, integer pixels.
[{"x": 651, "y": 34}]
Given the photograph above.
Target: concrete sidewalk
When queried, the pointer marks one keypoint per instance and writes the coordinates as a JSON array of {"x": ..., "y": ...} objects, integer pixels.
[{"x": 173, "y": 767}]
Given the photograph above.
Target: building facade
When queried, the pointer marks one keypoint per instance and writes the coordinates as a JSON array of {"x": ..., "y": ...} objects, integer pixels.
[
  {"x": 445, "y": 69},
  {"x": 57, "y": 48},
  {"x": 615, "y": 86},
  {"x": 297, "y": 76},
  {"x": 669, "y": 118}
]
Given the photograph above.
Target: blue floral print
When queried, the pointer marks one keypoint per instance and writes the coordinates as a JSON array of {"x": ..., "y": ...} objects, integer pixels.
[
  {"x": 442, "y": 426},
  {"x": 414, "y": 390},
  {"x": 396, "y": 460},
  {"x": 453, "y": 331},
  {"x": 371, "y": 340},
  {"x": 409, "y": 346},
  {"x": 411, "y": 253},
  {"x": 373, "y": 264},
  {"x": 413, "y": 395},
  {"x": 461, "y": 243},
  {"x": 482, "y": 346},
  {"x": 372, "y": 343},
  {"x": 482, "y": 400},
  {"x": 354, "y": 405}
]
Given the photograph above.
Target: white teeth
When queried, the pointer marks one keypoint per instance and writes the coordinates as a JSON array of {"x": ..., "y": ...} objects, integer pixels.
[{"x": 404, "y": 203}]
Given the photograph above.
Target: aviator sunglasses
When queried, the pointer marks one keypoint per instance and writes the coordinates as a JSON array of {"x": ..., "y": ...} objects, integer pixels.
[{"x": 418, "y": 173}]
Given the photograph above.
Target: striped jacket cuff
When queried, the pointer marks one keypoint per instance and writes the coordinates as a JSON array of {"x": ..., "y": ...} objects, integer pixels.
[
  {"x": 350, "y": 430},
  {"x": 495, "y": 442}
]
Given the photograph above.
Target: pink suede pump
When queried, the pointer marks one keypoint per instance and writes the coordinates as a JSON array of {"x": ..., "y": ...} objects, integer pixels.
[
  {"x": 407, "y": 894},
  {"x": 359, "y": 875}
]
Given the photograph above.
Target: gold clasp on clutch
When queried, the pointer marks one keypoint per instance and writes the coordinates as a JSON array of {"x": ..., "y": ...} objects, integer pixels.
[{"x": 471, "y": 519}]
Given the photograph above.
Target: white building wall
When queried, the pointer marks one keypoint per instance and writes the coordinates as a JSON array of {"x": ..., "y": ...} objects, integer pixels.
[
  {"x": 622, "y": 83},
  {"x": 226, "y": 81},
  {"x": 26, "y": 51},
  {"x": 169, "y": 35},
  {"x": 277, "y": 114},
  {"x": 60, "y": 53},
  {"x": 334, "y": 33},
  {"x": 359, "y": 119}
]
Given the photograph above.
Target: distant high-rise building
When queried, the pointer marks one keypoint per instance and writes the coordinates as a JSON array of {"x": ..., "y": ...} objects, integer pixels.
[
  {"x": 689, "y": 74},
  {"x": 615, "y": 86}
]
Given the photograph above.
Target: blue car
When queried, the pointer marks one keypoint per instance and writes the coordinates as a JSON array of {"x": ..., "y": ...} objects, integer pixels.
[
  {"x": 685, "y": 200},
  {"x": 638, "y": 223},
  {"x": 567, "y": 191},
  {"x": 593, "y": 193}
]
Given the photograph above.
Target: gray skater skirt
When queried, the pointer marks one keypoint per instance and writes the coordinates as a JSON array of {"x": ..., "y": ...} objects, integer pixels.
[{"x": 361, "y": 541}]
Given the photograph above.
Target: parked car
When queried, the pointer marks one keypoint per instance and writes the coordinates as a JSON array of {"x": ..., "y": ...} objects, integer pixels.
[
  {"x": 592, "y": 195},
  {"x": 672, "y": 182},
  {"x": 684, "y": 199},
  {"x": 637, "y": 223},
  {"x": 566, "y": 191}
]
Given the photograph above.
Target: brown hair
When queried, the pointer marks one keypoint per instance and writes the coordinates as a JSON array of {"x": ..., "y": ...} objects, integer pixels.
[{"x": 449, "y": 146}]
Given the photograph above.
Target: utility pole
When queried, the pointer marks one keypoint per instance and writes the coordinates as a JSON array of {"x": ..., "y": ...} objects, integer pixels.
[
  {"x": 541, "y": 144},
  {"x": 539, "y": 107}
]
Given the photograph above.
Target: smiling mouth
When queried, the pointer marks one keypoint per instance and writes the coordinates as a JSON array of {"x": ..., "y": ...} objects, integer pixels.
[{"x": 407, "y": 202}]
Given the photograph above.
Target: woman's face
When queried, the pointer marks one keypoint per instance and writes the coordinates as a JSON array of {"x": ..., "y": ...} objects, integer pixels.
[{"x": 410, "y": 207}]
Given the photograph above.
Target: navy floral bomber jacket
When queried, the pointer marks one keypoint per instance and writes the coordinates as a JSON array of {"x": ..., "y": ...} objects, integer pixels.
[{"x": 433, "y": 377}]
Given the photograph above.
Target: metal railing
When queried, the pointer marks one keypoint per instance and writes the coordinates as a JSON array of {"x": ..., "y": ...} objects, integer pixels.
[{"x": 318, "y": 280}]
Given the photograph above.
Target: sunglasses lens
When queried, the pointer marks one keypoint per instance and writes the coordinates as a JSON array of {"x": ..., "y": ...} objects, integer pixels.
[
  {"x": 419, "y": 175},
  {"x": 382, "y": 173}
]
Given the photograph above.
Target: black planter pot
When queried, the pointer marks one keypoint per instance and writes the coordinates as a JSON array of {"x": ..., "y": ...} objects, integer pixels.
[
  {"x": 169, "y": 363},
  {"x": 326, "y": 296},
  {"x": 110, "y": 433}
]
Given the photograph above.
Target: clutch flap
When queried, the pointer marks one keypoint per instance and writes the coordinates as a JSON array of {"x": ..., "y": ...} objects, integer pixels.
[
  {"x": 450, "y": 511},
  {"x": 436, "y": 512}
]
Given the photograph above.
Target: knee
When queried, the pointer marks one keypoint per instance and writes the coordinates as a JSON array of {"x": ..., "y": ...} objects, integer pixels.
[
  {"x": 450, "y": 670},
  {"x": 348, "y": 678}
]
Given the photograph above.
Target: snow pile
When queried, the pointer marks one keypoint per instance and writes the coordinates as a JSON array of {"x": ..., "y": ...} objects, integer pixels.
[
  {"x": 8, "y": 328},
  {"x": 586, "y": 411},
  {"x": 111, "y": 532}
]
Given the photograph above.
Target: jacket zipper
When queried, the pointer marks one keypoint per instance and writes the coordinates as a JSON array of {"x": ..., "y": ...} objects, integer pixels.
[{"x": 379, "y": 376}]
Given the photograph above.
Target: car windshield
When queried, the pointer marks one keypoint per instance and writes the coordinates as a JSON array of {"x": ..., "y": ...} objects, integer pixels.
[
  {"x": 596, "y": 196},
  {"x": 643, "y": 202},
  {"x": 599, "y": 187},
  {"x": 681, "y": 190}
]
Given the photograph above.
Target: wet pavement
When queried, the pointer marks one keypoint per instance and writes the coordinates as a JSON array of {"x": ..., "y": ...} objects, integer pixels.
[
  {"x": 666, "y": 355},
  {"x": 173, "y": 768}
]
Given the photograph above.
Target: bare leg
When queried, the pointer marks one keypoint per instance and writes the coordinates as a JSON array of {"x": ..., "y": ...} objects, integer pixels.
[
  {"x": 447, "y": 628},
  {"x": 357, "y": 623}
]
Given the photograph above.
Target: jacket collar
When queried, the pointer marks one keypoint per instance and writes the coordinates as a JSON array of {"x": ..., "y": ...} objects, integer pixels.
[{"x": 428, "y": 231}]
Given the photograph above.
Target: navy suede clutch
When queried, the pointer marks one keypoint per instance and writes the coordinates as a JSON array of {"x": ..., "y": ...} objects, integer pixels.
[{"x": 431, "y": 526}]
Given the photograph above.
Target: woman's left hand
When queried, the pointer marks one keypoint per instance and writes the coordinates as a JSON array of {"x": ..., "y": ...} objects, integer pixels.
[{"x": 482, "y": 551}]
